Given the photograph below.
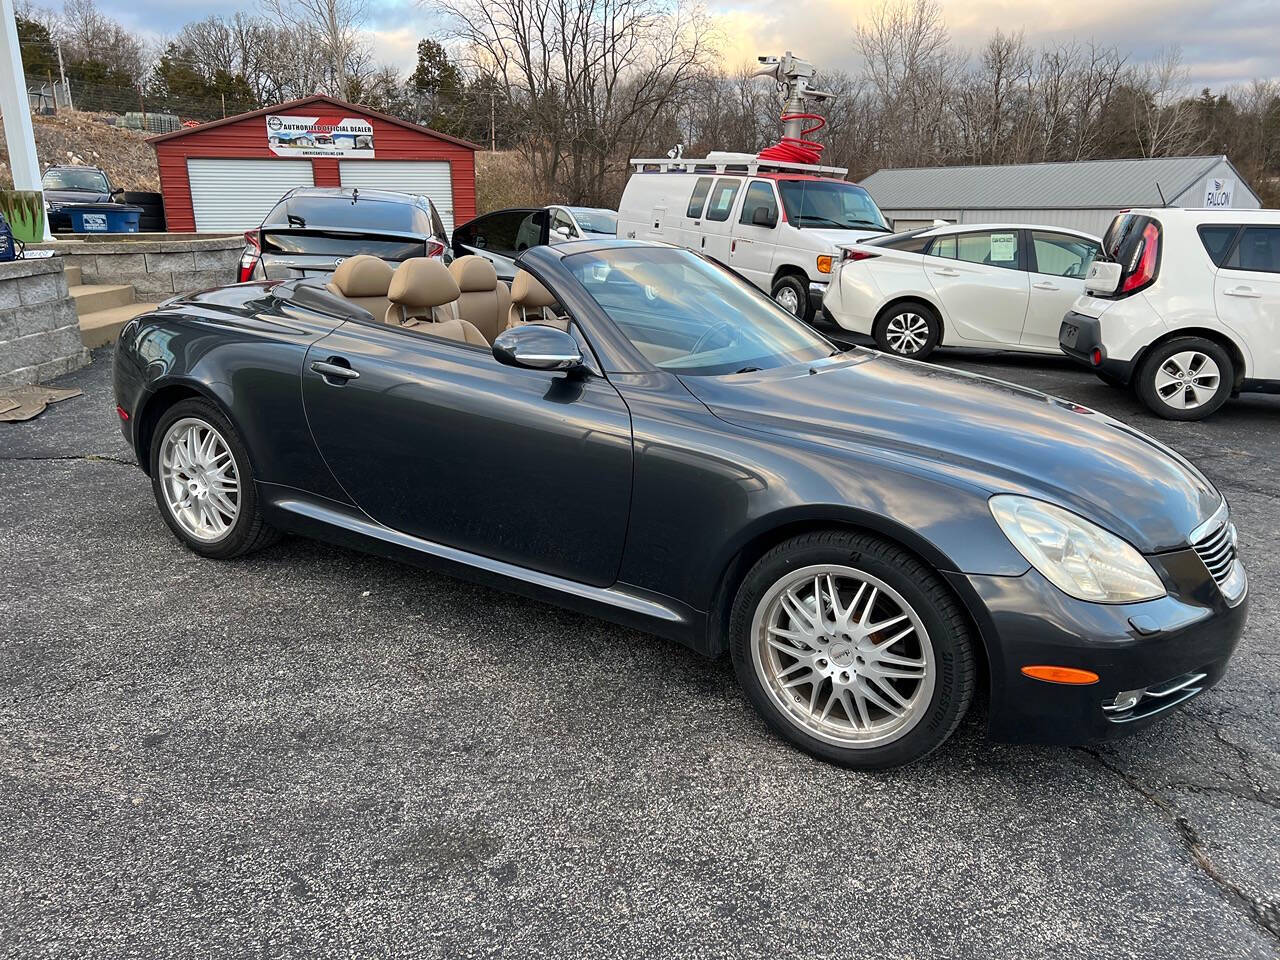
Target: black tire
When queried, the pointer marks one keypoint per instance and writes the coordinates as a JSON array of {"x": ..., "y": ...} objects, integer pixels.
[
  {"x": 788, "y": 286},
  {"x": 249, "y": 531},
  {"x": 944, "y": 621},
  {"x": 909, "y": 315},
  {"x": 1152, "y": 394}
]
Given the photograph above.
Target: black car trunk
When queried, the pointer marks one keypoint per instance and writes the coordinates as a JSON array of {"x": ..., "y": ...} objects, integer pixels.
[{"x": 289, "y": 252}]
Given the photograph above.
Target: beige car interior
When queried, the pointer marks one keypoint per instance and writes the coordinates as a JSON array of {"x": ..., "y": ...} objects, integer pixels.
[
  {"x": 531, "y": 302},
  {"x": 363, "y": 280},
  {"x": 484, "y": 300},
  {"x": 465, "y": 301}
]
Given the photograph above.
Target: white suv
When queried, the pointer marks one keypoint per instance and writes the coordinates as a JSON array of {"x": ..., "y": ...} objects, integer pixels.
[{"x": 1185, "y": 306}]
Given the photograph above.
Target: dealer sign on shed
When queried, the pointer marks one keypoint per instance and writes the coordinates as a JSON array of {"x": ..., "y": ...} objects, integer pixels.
[{"x": 291, "y": 135}]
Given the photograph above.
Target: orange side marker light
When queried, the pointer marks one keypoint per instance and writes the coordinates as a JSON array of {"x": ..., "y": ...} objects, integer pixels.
[{"x": 1060, "y": 674}]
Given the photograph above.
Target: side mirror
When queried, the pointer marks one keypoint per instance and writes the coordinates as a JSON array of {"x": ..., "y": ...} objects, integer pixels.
[
  {"x": 1103, "y": 278},
  {"x": 561, "y": 232},
  {"x": 117, "y": 191},
  {"x": 762, "y": 216},
  {"x": 536, "y": 346}
]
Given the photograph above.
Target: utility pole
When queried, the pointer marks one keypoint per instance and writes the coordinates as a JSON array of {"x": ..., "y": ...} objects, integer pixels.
[
  {"x": 224, "y": 106},
  {"x": 16, "y": 108},
  {"x": 66, "y": 88},
  {"x": 493, "y": 131},
  {"x": 142, "y": 104}
]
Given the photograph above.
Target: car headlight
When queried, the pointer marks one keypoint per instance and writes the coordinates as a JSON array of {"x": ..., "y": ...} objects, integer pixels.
[{"x": 1078, "y": 557}]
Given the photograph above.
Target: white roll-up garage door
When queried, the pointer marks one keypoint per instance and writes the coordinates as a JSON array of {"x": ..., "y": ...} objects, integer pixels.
[
  {"x": 237, "y": 194},
  {"x": 430, "y": 178}
]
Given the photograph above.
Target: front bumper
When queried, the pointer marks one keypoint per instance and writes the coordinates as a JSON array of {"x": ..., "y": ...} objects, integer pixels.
[
  {"x": 1079, "y": 336},
  {"x": 1158, "y": 654}
]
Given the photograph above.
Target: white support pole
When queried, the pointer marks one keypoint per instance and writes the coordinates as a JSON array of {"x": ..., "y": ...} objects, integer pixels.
[{"x": 17, "y": 109}]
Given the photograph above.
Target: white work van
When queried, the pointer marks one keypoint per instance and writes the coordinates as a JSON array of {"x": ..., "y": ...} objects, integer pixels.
[{"x": 780, "y": 225}]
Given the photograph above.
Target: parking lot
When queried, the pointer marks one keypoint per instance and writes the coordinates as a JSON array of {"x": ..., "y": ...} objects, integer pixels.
[{"x": 315, "y": 752}]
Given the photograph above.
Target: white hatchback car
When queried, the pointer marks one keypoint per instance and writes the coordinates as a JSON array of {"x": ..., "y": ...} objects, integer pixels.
[
  {"x": 1185, "y": 306},
  {"x": 1001, "y": 286}
]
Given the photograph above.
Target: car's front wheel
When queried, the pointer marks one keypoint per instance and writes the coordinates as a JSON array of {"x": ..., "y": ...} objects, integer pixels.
[
  {"x": 792, "y": 294},
  {"x": 203, "y": 482},
  {"x": 1186, "y": 379},
  {"x": 908, "y": 329},
  {"x": 852, "y": 649}
]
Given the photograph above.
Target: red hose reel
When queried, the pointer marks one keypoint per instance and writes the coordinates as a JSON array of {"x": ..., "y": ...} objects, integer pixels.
[{"x": 797, "y": 149}]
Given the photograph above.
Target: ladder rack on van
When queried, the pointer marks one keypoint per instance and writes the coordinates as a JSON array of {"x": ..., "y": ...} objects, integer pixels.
[{"x": 731, "y": 163}]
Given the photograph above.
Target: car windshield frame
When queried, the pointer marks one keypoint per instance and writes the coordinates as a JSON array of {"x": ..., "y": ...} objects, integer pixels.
[
  {"x": 797, "y": 196},
  {"x": 69, "y": 177},
  {"x": 666, "y": 301}
]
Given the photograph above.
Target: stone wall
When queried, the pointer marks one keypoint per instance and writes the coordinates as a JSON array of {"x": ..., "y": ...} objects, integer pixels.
[
  {"x": 157, "y": 268},
  {"x": 39, "y": 330}
]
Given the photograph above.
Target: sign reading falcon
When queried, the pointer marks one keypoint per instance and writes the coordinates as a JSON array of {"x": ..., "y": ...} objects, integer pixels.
[{"x": 296, "y": 136}]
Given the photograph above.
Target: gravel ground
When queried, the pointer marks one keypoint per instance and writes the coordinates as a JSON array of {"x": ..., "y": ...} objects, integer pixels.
[{"x": 313, "y": 752}]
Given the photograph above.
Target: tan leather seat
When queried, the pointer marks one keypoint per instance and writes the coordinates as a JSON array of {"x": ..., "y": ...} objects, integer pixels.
[
  {"x": 363, "y": 280},
  {"x": 422, "y": 295},
  {"x": 530, "y": 301},
  {"x": 485, "y": 300}
]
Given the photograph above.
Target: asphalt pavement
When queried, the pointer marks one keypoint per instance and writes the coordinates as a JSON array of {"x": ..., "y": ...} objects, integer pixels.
[{"x": 312, "y": 752}]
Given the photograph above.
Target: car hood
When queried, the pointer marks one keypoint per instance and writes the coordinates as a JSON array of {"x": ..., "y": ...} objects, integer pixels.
[
  {"x": 986, "y": 434},
  {"x": 76, "y": 196},
  {"x": 839, "y": 238}
]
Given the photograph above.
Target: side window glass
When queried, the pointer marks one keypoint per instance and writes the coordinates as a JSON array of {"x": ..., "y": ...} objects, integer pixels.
[
  {"x": 1258, "y": 249},
  {"x": 944, "y": 247},
  {"x": 722, "y": 199},
  {"x": 1217, "y": 241},
  {"x": 759, "y": 195},
  {"x": 699, "y": 198},
  {"x": 995, "y": 249},
  {"x": 506, "y": 233},
  {"x": 1061, "y": 255},
  {"x": 561, "y": 220}
]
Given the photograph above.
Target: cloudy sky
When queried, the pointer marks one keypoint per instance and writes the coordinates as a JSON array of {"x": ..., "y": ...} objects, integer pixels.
[{"x": 1222, "y": 43}]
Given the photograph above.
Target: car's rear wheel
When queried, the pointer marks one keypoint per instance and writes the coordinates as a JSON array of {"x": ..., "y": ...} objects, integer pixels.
[
  {"x": 852, "y": 649},
  {"x": 910, "y": 329},
  {"x": 203, "y": 482},
  {"x": 1186, "y": 379},
  {"x": 792, "y": 295}
]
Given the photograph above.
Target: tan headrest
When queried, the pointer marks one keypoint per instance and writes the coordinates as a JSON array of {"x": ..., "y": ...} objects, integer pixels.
[
  {"x": 474, "y": 274},
  {"x": 526, "y": 291},
  {"x": 361, "y": 276},
  {"x": 422, "y": 282}
]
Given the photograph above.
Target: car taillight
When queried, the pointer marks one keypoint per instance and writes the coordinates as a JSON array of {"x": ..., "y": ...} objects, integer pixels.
[
  {"x": 435, "y": 248},
  {"x": 858, "y": 255},
  {"x": 252, "y": 252},
  {"x": 1142, "y": 267}
]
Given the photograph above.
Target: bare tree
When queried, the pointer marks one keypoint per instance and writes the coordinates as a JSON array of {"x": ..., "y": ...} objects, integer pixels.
[
  {"x": 1163, "y": 116},
  {"x": 594, "y": 78},
  {"x": 334, "y": 26}
]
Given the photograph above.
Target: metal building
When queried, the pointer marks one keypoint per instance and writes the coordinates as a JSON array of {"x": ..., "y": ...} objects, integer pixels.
[{"x": 1083, "y": 195}]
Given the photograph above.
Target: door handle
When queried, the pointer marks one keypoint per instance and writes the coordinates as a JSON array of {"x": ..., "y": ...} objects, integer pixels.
[
  {"x": 337, "y": 371},
  {"x": 946, "y": 272},
  {"x": 1045, "y": 285},
  {"x": 1246, "y": 292}
]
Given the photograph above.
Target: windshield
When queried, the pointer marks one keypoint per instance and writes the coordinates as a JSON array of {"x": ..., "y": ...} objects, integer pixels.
[
  {"x": 595, "y": 220},
  {"x": 830, "y": 204},
  {"x": 92, "y": 180},
  {"x": 340, "y": 211},
  {"x": 690, "y": 316}
]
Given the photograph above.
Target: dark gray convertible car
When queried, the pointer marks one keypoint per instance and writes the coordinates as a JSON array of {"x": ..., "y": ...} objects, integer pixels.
[{"x": 635, "y": 432}]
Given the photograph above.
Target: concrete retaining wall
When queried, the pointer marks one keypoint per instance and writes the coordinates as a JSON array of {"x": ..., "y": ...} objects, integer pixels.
[
  {"x": 39, "y": 330},
  {"x": 157, "y": 268}
]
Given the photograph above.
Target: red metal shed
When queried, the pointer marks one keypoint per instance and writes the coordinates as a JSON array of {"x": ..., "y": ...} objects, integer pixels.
[{"x": 226, "y": 175}]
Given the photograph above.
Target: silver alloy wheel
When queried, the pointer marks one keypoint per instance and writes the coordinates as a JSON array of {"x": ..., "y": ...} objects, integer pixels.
[
  {"x": 1188, "y": 380},
  {"x": 200, "y": 479},
  {"x": 788, "y": 300},
  {"x": 843, "y": 656},
  {"x": 906, "y": 332}
]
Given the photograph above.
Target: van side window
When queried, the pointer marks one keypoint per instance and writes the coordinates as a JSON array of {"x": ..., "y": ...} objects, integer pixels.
[
  {"x": 722, "y": 199},
  {"x": 700, "y": 191},
  {"x": 759, "y": 194}
]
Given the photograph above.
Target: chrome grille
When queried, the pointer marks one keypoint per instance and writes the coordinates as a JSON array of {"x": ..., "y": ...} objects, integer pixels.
[{"x": 1216, "y": 546}]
